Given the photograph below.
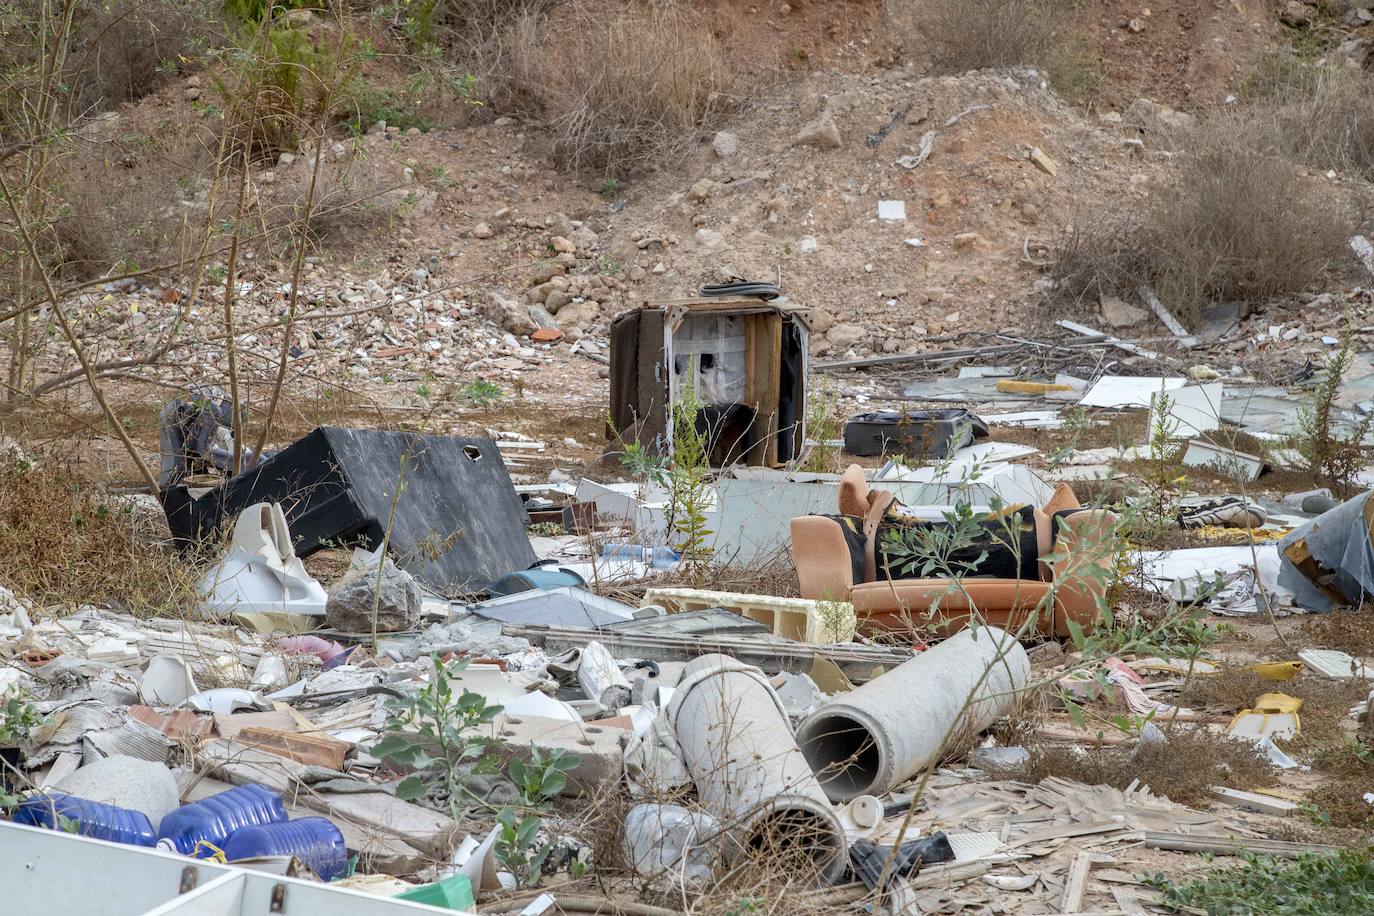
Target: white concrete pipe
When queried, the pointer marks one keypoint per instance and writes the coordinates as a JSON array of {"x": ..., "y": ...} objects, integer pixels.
[
  {"x": 738, "y": 745},
  {"x": 868, "y": 741}
]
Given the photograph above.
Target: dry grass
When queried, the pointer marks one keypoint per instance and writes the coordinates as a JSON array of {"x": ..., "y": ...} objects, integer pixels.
[
  {"x": 1182, "y": 768},
  {"x": 1326, "y": 703},
  {"x": 1318, "y": 114},
  {"x": 65, "y": 542},
  {"x": 1344, "y": 629},
  {"x": 622, "y": 90},
  {"x": 1232, "y": 223},
  {"x": 959, "y": 35}
]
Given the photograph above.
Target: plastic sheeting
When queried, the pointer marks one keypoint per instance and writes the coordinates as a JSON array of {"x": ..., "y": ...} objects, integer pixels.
[{"x": 1330, "y": 560}]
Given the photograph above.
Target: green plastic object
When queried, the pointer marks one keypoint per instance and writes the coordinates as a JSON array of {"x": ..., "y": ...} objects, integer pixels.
[{"x": 452, "y": 893}]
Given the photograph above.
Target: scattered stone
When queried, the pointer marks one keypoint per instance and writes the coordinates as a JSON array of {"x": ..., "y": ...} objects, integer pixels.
[
  {"x": 394, "y": 597},
  {"x": 510, "y": 315},
  {"x": 556, "y": 300},
  {"x": 709, "y": 238},
  {"x": 1120, "y": 314},
  {"x": 725, "y": 144},
  {"x": 578, "y": 316},
  {"x": 844, "y": 336},
  {"x": 1043, "y": 162},
  {"x": 1296, "y": 14},
  {"x": 546, "y": 335},
  {"x": 822, "y": 133},
  {"x": 561, "y": 225},
  {"x": 1146, "y": 115},
  {"x": 701, "y": 190}
]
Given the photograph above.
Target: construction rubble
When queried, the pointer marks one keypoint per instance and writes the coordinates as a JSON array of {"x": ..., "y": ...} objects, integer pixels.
[{"x": 963, "y": 668}]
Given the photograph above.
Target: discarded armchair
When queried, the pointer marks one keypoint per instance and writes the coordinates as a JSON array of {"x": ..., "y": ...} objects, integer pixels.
[{"x": 1027, "y": 569}]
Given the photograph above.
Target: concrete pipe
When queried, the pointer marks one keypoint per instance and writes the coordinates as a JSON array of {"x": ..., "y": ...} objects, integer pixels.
[
  {"x": 872, "y": 739},
  {"x": 738, "y": 745}
]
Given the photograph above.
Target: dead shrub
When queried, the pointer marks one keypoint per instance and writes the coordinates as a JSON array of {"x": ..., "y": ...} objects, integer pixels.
[
  {"x": 1232, "y": 223},
  {"x": 127, "y": 49},
  {"x": 960, "y": 35},
  {"x": 1315, "y": 113},
  {"x": 1182, "y": 768},
  {"x": 129, "y": 202},
  {"x": 621, "y": 91},
  {"x": 67, "y": 542}
]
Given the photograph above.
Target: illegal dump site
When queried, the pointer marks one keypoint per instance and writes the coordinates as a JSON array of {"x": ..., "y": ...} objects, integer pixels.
[{"x": 687, "y": 458}]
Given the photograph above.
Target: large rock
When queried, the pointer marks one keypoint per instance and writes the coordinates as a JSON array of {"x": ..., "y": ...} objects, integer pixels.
[
  {"x": 1296, "y": 14},
  {"x": 821, "y": 133},
  {"x": 508, "y": 313},
  {"x": 1146, "y": 116},
  {"x": 725, "y": 144},
  {"x": 844, "y": 336},
  {"x": 1120, "y": 314},
  {"x": 140, "y": 785},
  {"x": 578, "y": 315},
  {"x": 394, "y": 597}
]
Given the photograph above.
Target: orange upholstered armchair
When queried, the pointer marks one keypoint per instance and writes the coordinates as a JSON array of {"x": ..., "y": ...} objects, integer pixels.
[{"x": 838, "y": 558}]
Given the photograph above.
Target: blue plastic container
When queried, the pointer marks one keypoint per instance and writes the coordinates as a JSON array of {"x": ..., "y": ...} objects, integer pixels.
[
  {"x": 213, "y": 819},
  {"x": 313, "y": 840},
  {"x": 93, "y": 819}
]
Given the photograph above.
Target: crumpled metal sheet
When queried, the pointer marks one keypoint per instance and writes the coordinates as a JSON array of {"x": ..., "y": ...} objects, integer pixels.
[{"x": 1341, "y": 570}]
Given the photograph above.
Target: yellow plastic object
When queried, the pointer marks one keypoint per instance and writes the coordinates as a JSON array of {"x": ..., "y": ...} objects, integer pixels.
[
  {"x": 1274, "y": 715},
  {"x": 1277, "y": 702},
  {"x": 1277, "y": 671},
  {"x": 1011, "y": 386}
]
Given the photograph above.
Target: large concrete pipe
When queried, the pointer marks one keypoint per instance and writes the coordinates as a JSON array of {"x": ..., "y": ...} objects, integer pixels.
[
  {"x": 871, "y": 739},
  {"x": 738, "y": 745}
]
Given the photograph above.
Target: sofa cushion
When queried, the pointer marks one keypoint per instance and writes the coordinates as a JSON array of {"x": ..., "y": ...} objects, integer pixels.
[{"x": 1006, "y": 545}]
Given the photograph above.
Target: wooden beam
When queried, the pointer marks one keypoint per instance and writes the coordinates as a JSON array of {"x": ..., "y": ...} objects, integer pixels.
[{"x": 859, "y": 663}]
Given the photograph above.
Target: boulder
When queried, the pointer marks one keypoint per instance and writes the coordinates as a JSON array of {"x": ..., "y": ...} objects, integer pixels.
[
  {"x": 1120, "y": 314},
  {"x": 1296, "y": 14},
  {"x": 725, "y": 144},
  {"x": 844, "y": 336},
  {"x": 394, "y": 597},
  {"x": 822, "y": 133},
  {"x": 709, "y": 238},
  {"x": 509, "y": 314},
  {"x": 578, "y": 315}
]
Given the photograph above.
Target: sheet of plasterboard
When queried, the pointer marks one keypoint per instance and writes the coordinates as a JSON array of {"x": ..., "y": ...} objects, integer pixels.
[
  {"x": 754, "y": 511},
  {"x": 1187, "y": 412},
  {"x": 1127, "y": 391}
]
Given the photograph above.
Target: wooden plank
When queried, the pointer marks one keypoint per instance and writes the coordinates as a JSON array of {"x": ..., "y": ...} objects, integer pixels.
[
  {"x": 229, "y": 726},
  {"x": 1228, "y": 845},
  {"x": 1128, "y": 901},
  {"x": 1068, "y": 830},
  {"x": 1105, "y": 338},
  {"x": 1164, "y": 315},
  {"x": 1077, "y": 883},
  {"x": 772, "y": 392},
  {"x": 859, "y": 663},
  {"x": 320, "y": 750},
  {"x": 1252, "y": 801}
]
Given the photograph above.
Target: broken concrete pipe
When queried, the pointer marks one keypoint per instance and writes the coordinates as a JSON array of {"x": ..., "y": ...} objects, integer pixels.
[
  {"x": 871, "y": 739},
  {"x": 738, "y": 746}
]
